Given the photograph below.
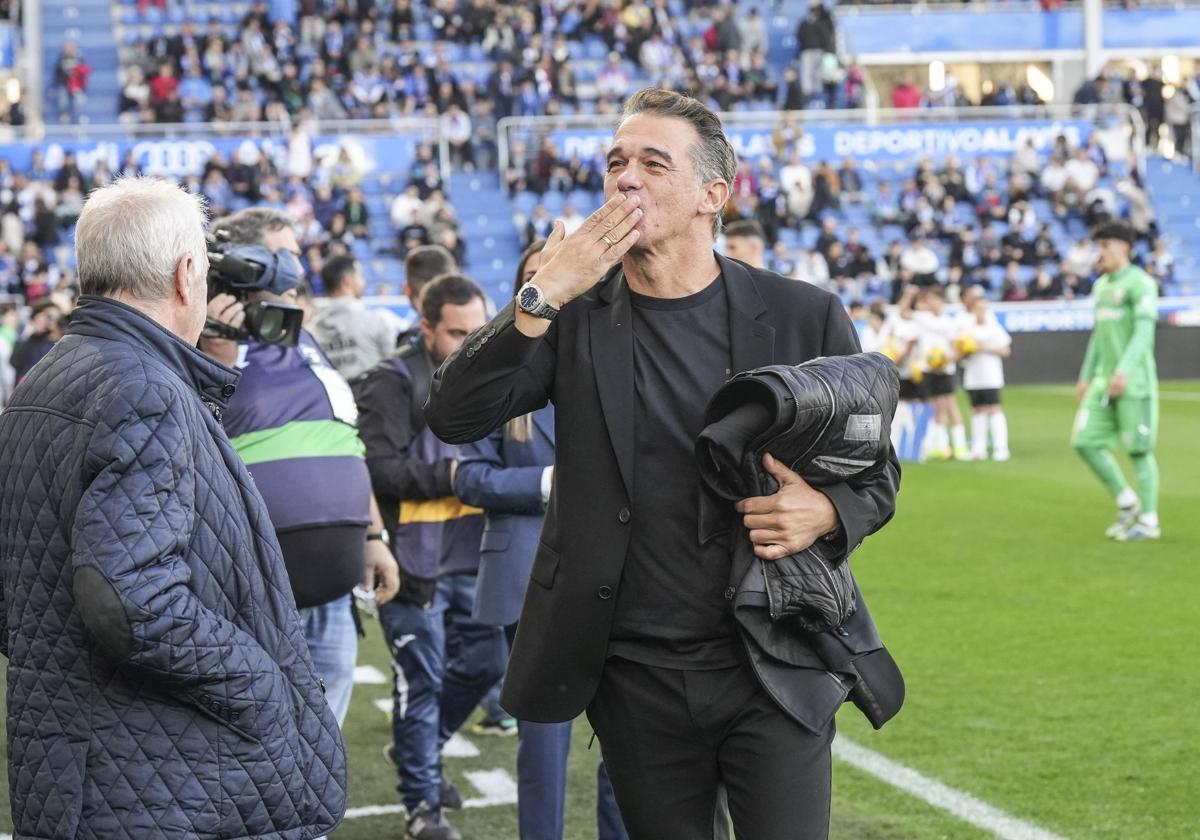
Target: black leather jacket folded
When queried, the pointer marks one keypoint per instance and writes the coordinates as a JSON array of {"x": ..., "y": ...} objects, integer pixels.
[{"x": 827, "y": 420}]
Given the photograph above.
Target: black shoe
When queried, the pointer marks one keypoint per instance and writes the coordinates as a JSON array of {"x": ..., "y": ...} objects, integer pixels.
[
  {"x": 503, "y": 727},
  {"x": 451, "y": 798},
  {"x": 425, "y": 822}
]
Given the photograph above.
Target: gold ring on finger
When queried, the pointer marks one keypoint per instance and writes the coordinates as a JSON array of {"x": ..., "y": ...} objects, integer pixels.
[{"x": 607, "y": 240}]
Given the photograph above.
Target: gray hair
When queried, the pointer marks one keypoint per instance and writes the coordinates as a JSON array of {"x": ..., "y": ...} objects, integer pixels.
[
  {"x": 132, "y": 234},
  {"x": 246, "y": 227},
  {"x": 713, "y": 156}
]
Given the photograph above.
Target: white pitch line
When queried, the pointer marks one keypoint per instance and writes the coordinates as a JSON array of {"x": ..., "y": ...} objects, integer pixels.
[
  {"x": 373, "y": 811},
  {"x": 384, "y": 704},
  {"x": 497, "y": 787},
  {"x": 962, "y": 805},
  {"x": 369, "y": 675},
  {"x": 459, "y": 747}
]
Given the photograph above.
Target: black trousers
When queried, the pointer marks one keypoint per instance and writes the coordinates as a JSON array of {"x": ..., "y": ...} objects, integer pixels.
[{"x": 670, "y": 737}]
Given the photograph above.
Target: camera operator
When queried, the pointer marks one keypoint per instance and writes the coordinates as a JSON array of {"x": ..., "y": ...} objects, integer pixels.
[{"x": 294, "y": 422}]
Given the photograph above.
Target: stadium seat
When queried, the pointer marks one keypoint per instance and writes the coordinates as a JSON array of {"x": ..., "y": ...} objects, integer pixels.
[{"x": 524, "y": 202}]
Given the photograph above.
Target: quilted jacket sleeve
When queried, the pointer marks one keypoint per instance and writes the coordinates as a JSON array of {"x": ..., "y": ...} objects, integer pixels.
[
  {"x": 132, "y": 584},
  {"x": 864, "y": 503}
]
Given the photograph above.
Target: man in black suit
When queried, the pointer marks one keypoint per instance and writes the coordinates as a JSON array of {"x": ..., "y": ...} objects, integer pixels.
[{"x": 630, "y": 324}]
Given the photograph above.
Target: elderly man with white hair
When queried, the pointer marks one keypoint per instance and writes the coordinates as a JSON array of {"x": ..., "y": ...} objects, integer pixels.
[{"x": 158, "y": 680}]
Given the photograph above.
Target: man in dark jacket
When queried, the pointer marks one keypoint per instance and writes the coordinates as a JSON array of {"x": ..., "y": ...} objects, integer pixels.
[
  {"x": 158, "y": 680},
  {"x": 445, "y": 662},
  {"x": 628, "y": 612}
]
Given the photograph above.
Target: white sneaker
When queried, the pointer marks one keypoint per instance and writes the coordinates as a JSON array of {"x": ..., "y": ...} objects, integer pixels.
[
  {"x": 1139, "y": 531},
  {"x": 1001, "y": 455},
  {"x": 1127, "y": 517}
]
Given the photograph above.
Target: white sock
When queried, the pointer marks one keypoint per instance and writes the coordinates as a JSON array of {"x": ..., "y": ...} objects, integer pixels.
[
  {"x": 1149, "y": 519},
  {"x": 979, "y": 434},
  {"x": 938, "y": 436},
  {"x": 999, "y": 424},
  {"x": 959, "y": 435},
  {"x": 1127, "y": 498}
]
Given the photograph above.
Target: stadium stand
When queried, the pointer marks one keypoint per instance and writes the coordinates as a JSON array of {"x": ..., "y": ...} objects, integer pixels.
[
  {"x": 88, "y": 24},
  {"x": 389, "y": 59}
]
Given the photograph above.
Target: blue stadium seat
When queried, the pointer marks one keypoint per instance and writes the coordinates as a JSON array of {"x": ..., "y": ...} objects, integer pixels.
[
  {"x": 596, "y": 48},
  {"x": 525, "y": 201},
  {"x": 584, "y": 201}
]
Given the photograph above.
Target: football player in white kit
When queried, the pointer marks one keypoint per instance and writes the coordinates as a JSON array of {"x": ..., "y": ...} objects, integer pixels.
[
  {"x": 947, "y": 437},
  {"x": 983, "y": 345},
  {"x": 903, "y": 345}
]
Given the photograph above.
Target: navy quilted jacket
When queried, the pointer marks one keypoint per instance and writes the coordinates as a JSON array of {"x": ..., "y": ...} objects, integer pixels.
[{"x": 159, "y": 684}]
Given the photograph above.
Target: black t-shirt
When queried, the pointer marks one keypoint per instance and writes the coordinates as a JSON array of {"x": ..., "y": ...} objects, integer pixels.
[{"x": 671, "y": 608}]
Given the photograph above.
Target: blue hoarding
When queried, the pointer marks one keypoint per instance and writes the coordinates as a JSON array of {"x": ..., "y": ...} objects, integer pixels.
[
  {"x": 894, "y": 142},
  {"x": 8, "y": 40},
  {"x": 1077, "y": 315},
  {"x": 982, "y": 28},
  {"x": 182, "y": 157}
]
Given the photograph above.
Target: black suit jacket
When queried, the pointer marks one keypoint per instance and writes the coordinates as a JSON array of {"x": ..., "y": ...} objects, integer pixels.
[{"x": 584, "y": 364}]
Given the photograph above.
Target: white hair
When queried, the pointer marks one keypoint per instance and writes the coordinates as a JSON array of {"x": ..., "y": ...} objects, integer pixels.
[{"x": 132, "y": 234}]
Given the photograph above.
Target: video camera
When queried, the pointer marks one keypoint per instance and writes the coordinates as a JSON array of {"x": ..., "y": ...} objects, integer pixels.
[{"x": 239, "y": 270}]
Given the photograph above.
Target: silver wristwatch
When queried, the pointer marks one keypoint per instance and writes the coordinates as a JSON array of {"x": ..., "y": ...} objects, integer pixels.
[{"x": 532, "y": 300}]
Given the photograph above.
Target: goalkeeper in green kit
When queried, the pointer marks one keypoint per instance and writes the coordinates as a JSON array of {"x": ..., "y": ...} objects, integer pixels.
[{"x": 1118, "y": 385}]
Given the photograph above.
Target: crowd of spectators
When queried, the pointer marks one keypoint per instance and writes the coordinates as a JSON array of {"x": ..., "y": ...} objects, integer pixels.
[
  {"x": 1002, "y": 225},
  {"x": 39, "y": 207},
  {"x": 1166, "y": 108},
  {"x": 470, "y": 63},
  {"x": 963, "y": 224},
  {"x": 341, "y": 59}
]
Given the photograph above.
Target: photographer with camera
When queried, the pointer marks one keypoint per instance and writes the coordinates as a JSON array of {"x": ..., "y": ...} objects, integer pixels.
[{"x": 294, "y": 422}]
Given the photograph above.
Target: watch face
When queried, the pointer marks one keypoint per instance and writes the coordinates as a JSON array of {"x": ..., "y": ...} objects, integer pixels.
[{"x": 529, "y": 297}]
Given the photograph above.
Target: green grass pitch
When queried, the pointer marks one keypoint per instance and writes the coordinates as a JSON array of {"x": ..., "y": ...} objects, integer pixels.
[{"x": 1051, "y": 673}]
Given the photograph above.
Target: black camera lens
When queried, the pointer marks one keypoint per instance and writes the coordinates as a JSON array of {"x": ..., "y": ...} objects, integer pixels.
[
  {"x": 273, "y": 323},
  {"x": 270, "y": 326}
]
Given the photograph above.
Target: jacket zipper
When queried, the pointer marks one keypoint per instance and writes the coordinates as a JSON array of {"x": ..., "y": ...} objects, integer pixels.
[
  {"x": 832, "y": 586},
  {"x": 828, "y": 421}
]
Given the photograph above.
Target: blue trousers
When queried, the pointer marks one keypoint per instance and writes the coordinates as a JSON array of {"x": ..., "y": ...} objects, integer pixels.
[
  {"x": 542, "y": 785},
  {"x": 333, "y": 644},
  {"x": 444, "y": 664},
  {"x": 542, "y": 781}
]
